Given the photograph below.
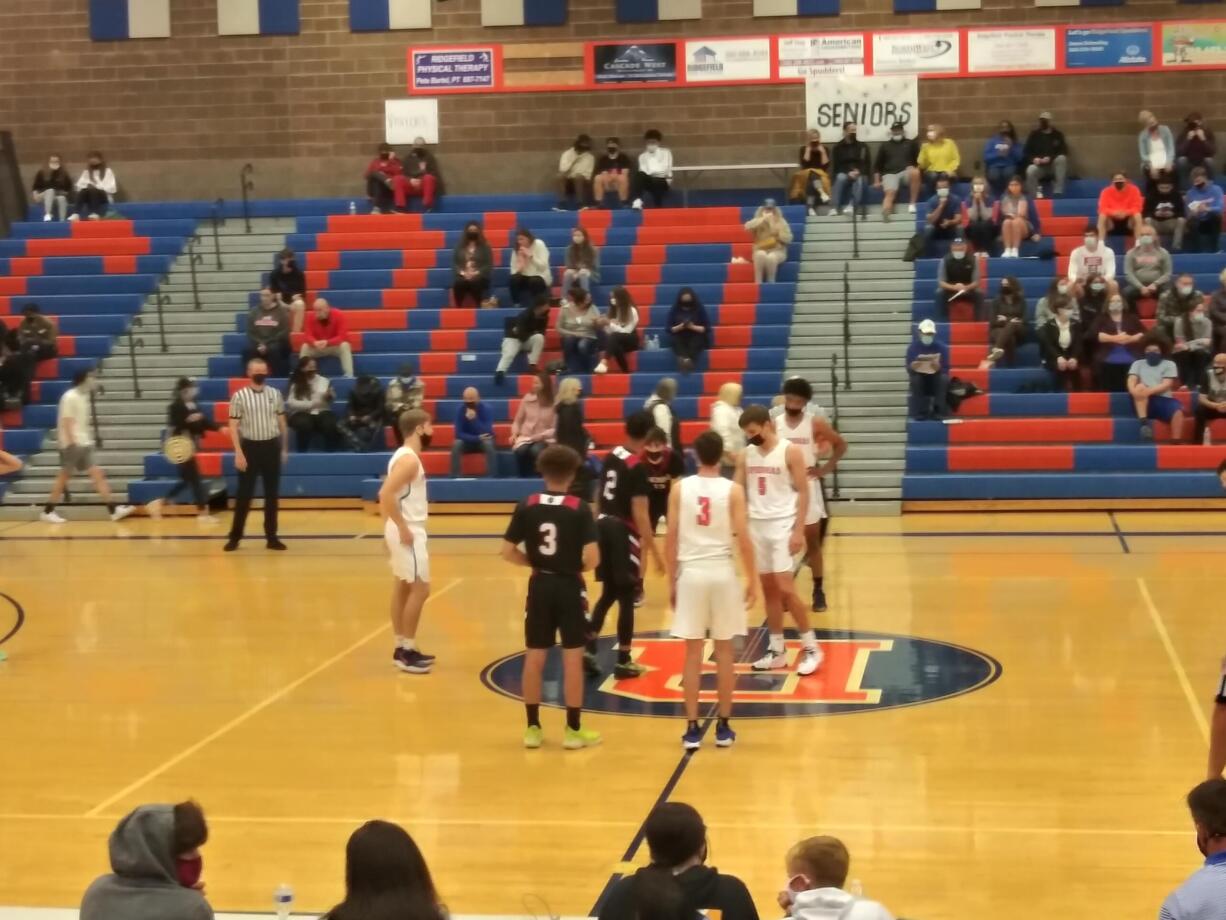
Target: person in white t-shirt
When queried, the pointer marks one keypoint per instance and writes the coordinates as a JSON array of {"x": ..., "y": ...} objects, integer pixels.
[
  {"x": 654, "y": 176},
  {"x": 1094, "y": 259}
]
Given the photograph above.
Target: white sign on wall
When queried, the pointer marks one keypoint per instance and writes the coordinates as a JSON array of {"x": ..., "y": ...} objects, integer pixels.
[
  {"x": 1007, "y": 50},
  {"x": 811, "y": 55},
  {"x": 727, "y": 59},
  {"x": 873, "y": 103},
  {"x": 406, "y": 119},
  {"x": 916, "y": 52}
]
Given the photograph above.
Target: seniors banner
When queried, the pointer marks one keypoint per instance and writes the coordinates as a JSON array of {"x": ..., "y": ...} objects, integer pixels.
[{"x": 873, "y": 103}]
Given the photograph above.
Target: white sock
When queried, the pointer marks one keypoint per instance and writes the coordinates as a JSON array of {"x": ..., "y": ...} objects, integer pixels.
[
  {"x": 408, "y": 644},
  {"x": 809, "y": 637},
  {"x": 776, "y": 643}
]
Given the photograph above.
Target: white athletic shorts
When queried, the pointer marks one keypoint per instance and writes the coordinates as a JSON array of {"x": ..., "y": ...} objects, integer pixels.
[
  {"x": 817, "y": 503},
  {"x": 710, "y": 600},
  {"x": 409, "y": 563},
  {"x": 770, "y": 545}
]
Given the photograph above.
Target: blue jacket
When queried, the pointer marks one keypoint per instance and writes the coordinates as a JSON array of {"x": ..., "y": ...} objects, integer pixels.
[
  {"x": 1164, "y": 137},
  {"x": 918, "y": 349},
  {"x": 995, "y": 159},
  {"x": 1211, "y": 193},
  {"x": 696, "y": 315},
  {"x": 471, "y": 430}
]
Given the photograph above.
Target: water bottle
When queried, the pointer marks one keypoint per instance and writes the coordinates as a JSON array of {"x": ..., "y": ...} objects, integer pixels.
[
  {"x": 283, "y": 901},
  {"x": 353, "y": 207}
]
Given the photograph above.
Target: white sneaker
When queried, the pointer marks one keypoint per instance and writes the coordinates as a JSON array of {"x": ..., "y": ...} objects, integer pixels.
[
  {"x": 46, "y": 218},
  {"x": 121, "y": 512},
  {"x": 638, "y": 204},
  {"x": 834, "y": 212},
  {"x": 94, "y": 217},
  {"x": 810, "y": 661},
  {"x": 771, "y": 661},
  {"x": 50, "y": 517},
  {"x": 74, "y": 216},
  {"x": 154, "y": 508},
  {"x": 207, "y": 518},
  {"x": 601, "y": 368},
  {"x": 813, "y": 212},
  {"x": 910, "y": 209}
]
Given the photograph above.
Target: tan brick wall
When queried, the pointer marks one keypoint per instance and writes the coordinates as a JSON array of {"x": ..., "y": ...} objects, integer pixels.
[{"x": 177, "y": 118}]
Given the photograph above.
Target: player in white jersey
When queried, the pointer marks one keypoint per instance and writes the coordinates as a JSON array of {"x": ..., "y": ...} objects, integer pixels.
[
  {"x": 776, "y": 484},
  {"x": 706, "y": 515},
  {"x": 799, "y": 424},
  {"x": 402, "y": 500}
]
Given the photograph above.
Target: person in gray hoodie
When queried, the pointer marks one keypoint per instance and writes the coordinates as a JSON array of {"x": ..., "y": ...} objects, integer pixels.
[
  {"x": 1147, "y": 269},
  {"x": 155, "y": 867},
  {"x": 817, "y": 876}
]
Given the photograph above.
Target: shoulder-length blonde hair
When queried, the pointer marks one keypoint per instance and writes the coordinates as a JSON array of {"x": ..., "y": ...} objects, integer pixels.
[{"x": 569, "y": 390}]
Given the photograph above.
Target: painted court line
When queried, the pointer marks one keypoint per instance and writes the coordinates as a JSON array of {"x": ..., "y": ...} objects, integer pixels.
[
  {"x": 248, "y": 714},
  {"x": 1198, "y": 715}
]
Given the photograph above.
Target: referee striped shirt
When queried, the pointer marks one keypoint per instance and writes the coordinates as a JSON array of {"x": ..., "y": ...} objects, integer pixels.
[{"x": 258, "y": 413}]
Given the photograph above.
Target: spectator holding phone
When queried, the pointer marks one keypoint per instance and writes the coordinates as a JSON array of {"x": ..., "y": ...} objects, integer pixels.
[
  {"x": 96, "y": 188},
  {"x": 689, "y": 329},
  {"x": 53, "y": 189}
]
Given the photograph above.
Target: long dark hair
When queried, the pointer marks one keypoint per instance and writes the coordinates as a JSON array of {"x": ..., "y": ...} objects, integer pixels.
[
  {"x": 620, "y": 303},
  {"x": 95, "y": 154},
  {"x": 386, "y": 877},
  {"x": 675, "y": 834},
  {"x": 299, "y": 383},
  {"x": 545, "y": 397},
  {"x": 1010, "y": 131},
  {"x": 688, "y": 292},
  {"x": 480, "y": 240},
  {"x": 581, "y": 253}
]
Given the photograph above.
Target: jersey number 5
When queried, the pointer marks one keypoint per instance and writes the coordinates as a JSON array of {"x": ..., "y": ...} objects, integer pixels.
[
  {"x": 704, "y": 511},
  {"x": 610, "y": 484},
  {"x": 549, "y": 539}
]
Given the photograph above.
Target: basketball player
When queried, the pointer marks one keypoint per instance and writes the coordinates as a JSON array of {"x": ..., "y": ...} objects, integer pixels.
[
  {"x": 706, "y": 514},
  {"x": 664, "y": 467},
  {"x": 624, "y": 531},
  {"x": 559, "y": 544},
  {"x": 800, "y": 425},
  {"x": 1217, "y": 736},
  {"x": 776, "y": 484},
  {"x": 402, "y": 500}
]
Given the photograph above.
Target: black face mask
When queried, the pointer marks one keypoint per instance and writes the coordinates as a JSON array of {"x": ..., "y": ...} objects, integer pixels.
[
  {"x": 425, "y": 439},
  {"x": 473, "y": 234},
  {"x": 852, "y": 137},
  {"x": 756, "y": 440},
  {"x": 793, "y": 413},
  {"x": 1118, "y": 185},
  {"x": 419, "y": 151},
  {"x": 1044, "y": 123},
  {"x": 311, "y": 375},
  {"x": 385, "y": 156},
  {"x": 686, "y": 304},
  {"x": 470, "y": 405},
  {"x": 258, "y": 379},
  {"x": 654, "y": 456},
  {"x": 611, "y": 151}
]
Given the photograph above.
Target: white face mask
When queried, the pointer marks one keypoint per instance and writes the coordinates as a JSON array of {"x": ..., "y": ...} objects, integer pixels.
[
  {"x": 1062, "y": 288},
  {"x": 1091, "y": 245},
  {"x": 977, "y": 187},
  {"x": 189, "y": 395},
  {"x": 653, "y": 147},
  {"x": 958, "y": 255},
  {"x": 942, "y": 193},
  {"x": 931, "y": 135},
  {"x": 1185, "y": 289},
  {"x": 896, "y": 135},
  {"x": 576, "y": 239}
]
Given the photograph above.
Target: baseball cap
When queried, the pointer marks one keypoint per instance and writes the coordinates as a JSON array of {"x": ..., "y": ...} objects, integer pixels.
[
  {"x": 185, "y": 382},
  {"x": 958, "y": 241},
  {"x": 768, "y": 203},
  {"x": 928, "y": 327},
  {"x": 1046, "y": 115}
]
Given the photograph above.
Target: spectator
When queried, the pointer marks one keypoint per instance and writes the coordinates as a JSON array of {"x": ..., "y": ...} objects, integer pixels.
[
  {"x": 524, "y": 332},
  {"x": 532, "y": 430},
  {"x": 1062, "y": 345},
  {"x": 386, "y": 877},
  {"x": 677, "y": 883},
  {"x": 472, "y": 262},
  {"x": 582, "y": 261},
  {"x": 365, "y": 415},
  {"x": 1201, "y": 897},
  {"x": 1151, "y": 380},
  {"x": 287, "y": 280},
  {"x": 1007, "y": 327},
  {"x": 1178, "y": 301},
  {"x": 817, "y": 871},
  {"x": 36, "y": 342},
  {"x": 570, "y": 431},
  {"x": 381, "y": 175},
  {"x": 1204, "y": 212},
  {"x": 1211, "y": 399},
  {"x": 579, "y": 327},
  {"x": 612, "y": 173},
  {"x": 958, "y": 279},
  {"x": 928, "y": 368},
  {"x": 689, "y": 329},
  {"x": 268, "y": 334},
  {"x": 405, "y": 392},
  {"x": 184, "y": 418},
  {"x": 726, "y": 422},
  {"x": 622, "y": 336},
  {"x": 938, "y": 156},
  {"x": 156, "y": 867},
  {"x": 655, "y": 173},
  {"x": 1119, "y": 207},
  {"x": 53, "y": 188},
  {"x": 575, "y": 168},
  {"x": 327, "y": 334},
  {"x": 1217, "y": 313},
  {"x": 1002, "y": 156},
  {"x": 14, "y": 373},
  {"x": 96, "y": 188},
  {"x": 980, "y": 216},
  {"x": 1195, "y": 148},
  {"x": 1156, "y": 146},
  {"x": 1018, "y": 219},
  {"x": 1147, "y": 269},
  {"x": 660, "y": 405},
  {"x": 1046, "y": 157},
  {"x": 851, "y": 163},
  {"x": 1193, "y": 345},
  {"x": 811, "y": 183},
  {"x": 945, "y": 218},
  {"x": 421, "y": 178},
  {"x": 1163, "y": 209},
  {"x": 308, "y": 407},
  {"x": 1092, "y": 261},
  {"x": 1116, "y": 336},
  {"x": 1045, "y": 310},
  {"x": 530, "y": 274},
  {"x": 896, "y": 164},
  {"x": 474, "y": 433},
  {"x": 771, "y": 236}
]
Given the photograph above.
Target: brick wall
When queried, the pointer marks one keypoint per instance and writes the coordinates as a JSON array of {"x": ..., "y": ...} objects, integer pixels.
[{"x": 177, "y": 118}]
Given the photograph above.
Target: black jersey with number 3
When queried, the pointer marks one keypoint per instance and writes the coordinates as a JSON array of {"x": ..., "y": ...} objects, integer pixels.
[
  {"x": 622, "y": 478},
  {"x": 554, "y": 529}
]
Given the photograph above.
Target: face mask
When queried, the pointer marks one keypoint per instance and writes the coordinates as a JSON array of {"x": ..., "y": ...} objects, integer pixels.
[
  {"x": 189, "y": 870},
  {"x": 931, "y": 135},
  {"x": 1199, "y": 183},
  {"x": 978, "y": 188},
  {"x": 470, "y": 405},
  {"x": 1146, "y": 241},
  {"x": 473, "y": 234},
  {"x": 958, "y": 255},
  {"x": 1098, "y": 287},
  {"x": 425, "y": 439},
  {"x": 577, "y": 239},
  {"x": 756, "y": 440},
  {"x": 611, "y": 151},
  {"x": 654, "y": 456},
  {"x": 1219, "y": 371},
  {"x": 852, "y": 137},
  {"x": 1005, "y": 289},
  {"x": 258, "y": 379},
  {"x": 653, "y": 147},
  {"x": 419, "y": 151},
  {"x": 385, "y": 156},
  {"x": 793, "y": 413},
  {"x": 687, "y": 303},
  {"x": 1153, "y": 358},
  {"x": 1091, "y": 244},
  {"x": 1062, "y": 288},
  {"x": 927, "y": 338},
  {"x": 189, "y": 395},
  {"x": 1119, "y": 185},
  {"x": 942, "y": 193},
  {"x": 1185, "y": 290},
  {"x": 1044, "y": 123},
  {"x": 895, "y": 135},
  {"x": 54, "y": 164},
  {"x": 1115, "y": 309},
  {"x": 405, "y": 381}
]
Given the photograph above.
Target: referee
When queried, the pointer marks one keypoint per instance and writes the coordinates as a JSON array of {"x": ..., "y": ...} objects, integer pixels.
[{"x": 258, "y": 432}]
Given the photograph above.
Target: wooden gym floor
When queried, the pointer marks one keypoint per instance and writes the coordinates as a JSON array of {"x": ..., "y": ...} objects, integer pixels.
[{"x": 152, "y": 668}]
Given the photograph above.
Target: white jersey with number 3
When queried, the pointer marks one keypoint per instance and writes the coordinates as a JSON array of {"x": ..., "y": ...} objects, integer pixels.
[
  {"x": 768, "y": 483},
  {"x": 413, "y": 499},
  {"x": 705, "y": 527}
]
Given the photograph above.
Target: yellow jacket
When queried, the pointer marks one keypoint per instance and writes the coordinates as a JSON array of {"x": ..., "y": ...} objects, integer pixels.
[{"x": 939, "y": 156}]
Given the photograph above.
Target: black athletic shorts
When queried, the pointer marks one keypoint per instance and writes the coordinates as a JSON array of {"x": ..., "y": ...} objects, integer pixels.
[
  {"x": 556, "y": 604},
  {"x": 620, "y": 553}
]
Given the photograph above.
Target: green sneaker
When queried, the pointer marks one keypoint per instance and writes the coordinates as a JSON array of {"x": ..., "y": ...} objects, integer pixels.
[
  {"x": 533, "y": 737},
  {"x": 574, "y": 739}
]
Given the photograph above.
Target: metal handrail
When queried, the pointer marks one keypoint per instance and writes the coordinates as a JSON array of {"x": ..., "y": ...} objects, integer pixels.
[
  {"x": 218, "y": 219},
  {"x": 162, "y": 300},
  {"x": 847, "y": 321},
  {"x": 133, "y": 344},
  {"x": 194, "y": 258},
  {"x": 855, "y": 233},
  {"x": 246, "y": 185},
  {"x": 834, "y": 413}
]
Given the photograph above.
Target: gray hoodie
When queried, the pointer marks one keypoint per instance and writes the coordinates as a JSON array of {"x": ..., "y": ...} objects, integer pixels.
[
  {"x": 143, "y": 884},
  {"x": 835, "y": 904}
]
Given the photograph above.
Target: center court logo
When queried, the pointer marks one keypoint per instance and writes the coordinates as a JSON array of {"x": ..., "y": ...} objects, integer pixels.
[{"x": 862, "y": 671}]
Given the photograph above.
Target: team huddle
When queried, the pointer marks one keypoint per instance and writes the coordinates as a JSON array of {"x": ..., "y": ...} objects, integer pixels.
[{"x": 771, "y": 511}]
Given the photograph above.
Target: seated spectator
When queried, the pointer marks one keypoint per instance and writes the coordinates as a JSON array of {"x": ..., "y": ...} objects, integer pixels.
[
  {"x": 96, "y": 188},
  {"x": 1116, "y": 340},
  {"x": 1018, "y": 219},
  {"x": 53, "y": 189},
  {"x": 381, "y": 175},
  {"x": 1151, "y": 380},
  {"x": 938, "y": 156},
  {"x": 771, "y": 236},
  {"x": 895, "y": 164},
  {"x": 1045, "y": 157},
  {"x": 1204, "y": 212},
  {"x": 726, "y": 422},
  {"x": 1217, "y": 313},
  {"x": 156, "y": 867},
  {"x": 660, "y": 405},
  {"x": 1210, "y": 398},
  {"x": 621, "y": 335},
  {"x": 308, "y": 407},
  {"x": 1147, "y": 269},
  {"x": 1193, "y": 347},
  {"x": 811, "y": 183},
  {"x": 945, "y": 216},
  {"x": 979, "y": 215},
  {"x": 530, "y": 274},
  {"x": 928, "y": 368},
  {"x": 327, "y": 334},
  {"x": 421, "y": 178},
  {"x": 1092, "y": 261},
  {"x": 1007, "y": 326},
  {"x": 14, "y": 372},
  {"x": 677, "y": 883},
  {"x": 655, "y": 173},
  {"x": 582, "y": 262},
  {"x": 1045, "y": 310},
  {"x": 287, "y": 280},
  {"x": 532, "y": 429},
  {"x": 472, "y": 262},
  {"x": 365, "y": 415},
  {"x": 1156, "y": 146},
  {"x": 386, "y": 876},
  {"x": 1177, "y": 302},
  {"x": 405, "y": 392},
  {"x": 579, "y": 326},
  {"x": 817, "y": 873},
  {"x": 569, "y": 431},
  {"x": 850, "y": 159},
  {"x": 575, "y": 168},
  {"x": 958, "y": 279},
  {"x": 1163, "y": 209},
  {"x": 1119, "y": 208},
  {"x": 268, "y": 335},
  {"x": 1195, "y": 148},
  {"x": 36, "y": 342},
  {"x": 689, "y": 329},
  {"x": 1002, "y": 156},
  {"x": 612, "y": 173},
  {"x": 1201, "y": 897},
  {"x": 185, "y": 418},
  {"x": 524, "y": 332},
  {"x": 1062, "y": 346},
  {"x": 474, "y": 433}
]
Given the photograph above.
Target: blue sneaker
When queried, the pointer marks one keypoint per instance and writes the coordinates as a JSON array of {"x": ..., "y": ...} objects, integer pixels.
[
  {"x": 724, "y": 736},
  {"x": 692, "y": 739}
]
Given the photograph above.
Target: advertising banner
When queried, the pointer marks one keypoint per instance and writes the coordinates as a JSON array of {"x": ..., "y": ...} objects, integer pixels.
[
  {"x": 1010, "y": 50},
  {"x": 728, "y": 59},
  {"x": 916, "y": 52},
  {"x": 1194, "y": 44},
  {"x": 440, "y": 70},
  {"x": 644, "y": 62},
  {"x": 803, "y": 56},
  {"x": 873, "y": 103},
  {"x": 405, "y": 120},
  {"x": 1109, "y": 46}
]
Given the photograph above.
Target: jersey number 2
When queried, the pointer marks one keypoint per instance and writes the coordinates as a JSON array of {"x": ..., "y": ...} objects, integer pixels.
[
  {"x": 704, "y": 511},
  {"x": 610, "y": 484},
  {"x": 549, "y": 539}
]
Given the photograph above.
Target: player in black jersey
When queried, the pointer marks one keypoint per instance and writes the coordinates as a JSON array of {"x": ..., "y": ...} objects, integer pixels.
[
  {"x": 624, "y": 530},
  {"x": 664, "y": 467},
  {"x": 558, "y": 537}
]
